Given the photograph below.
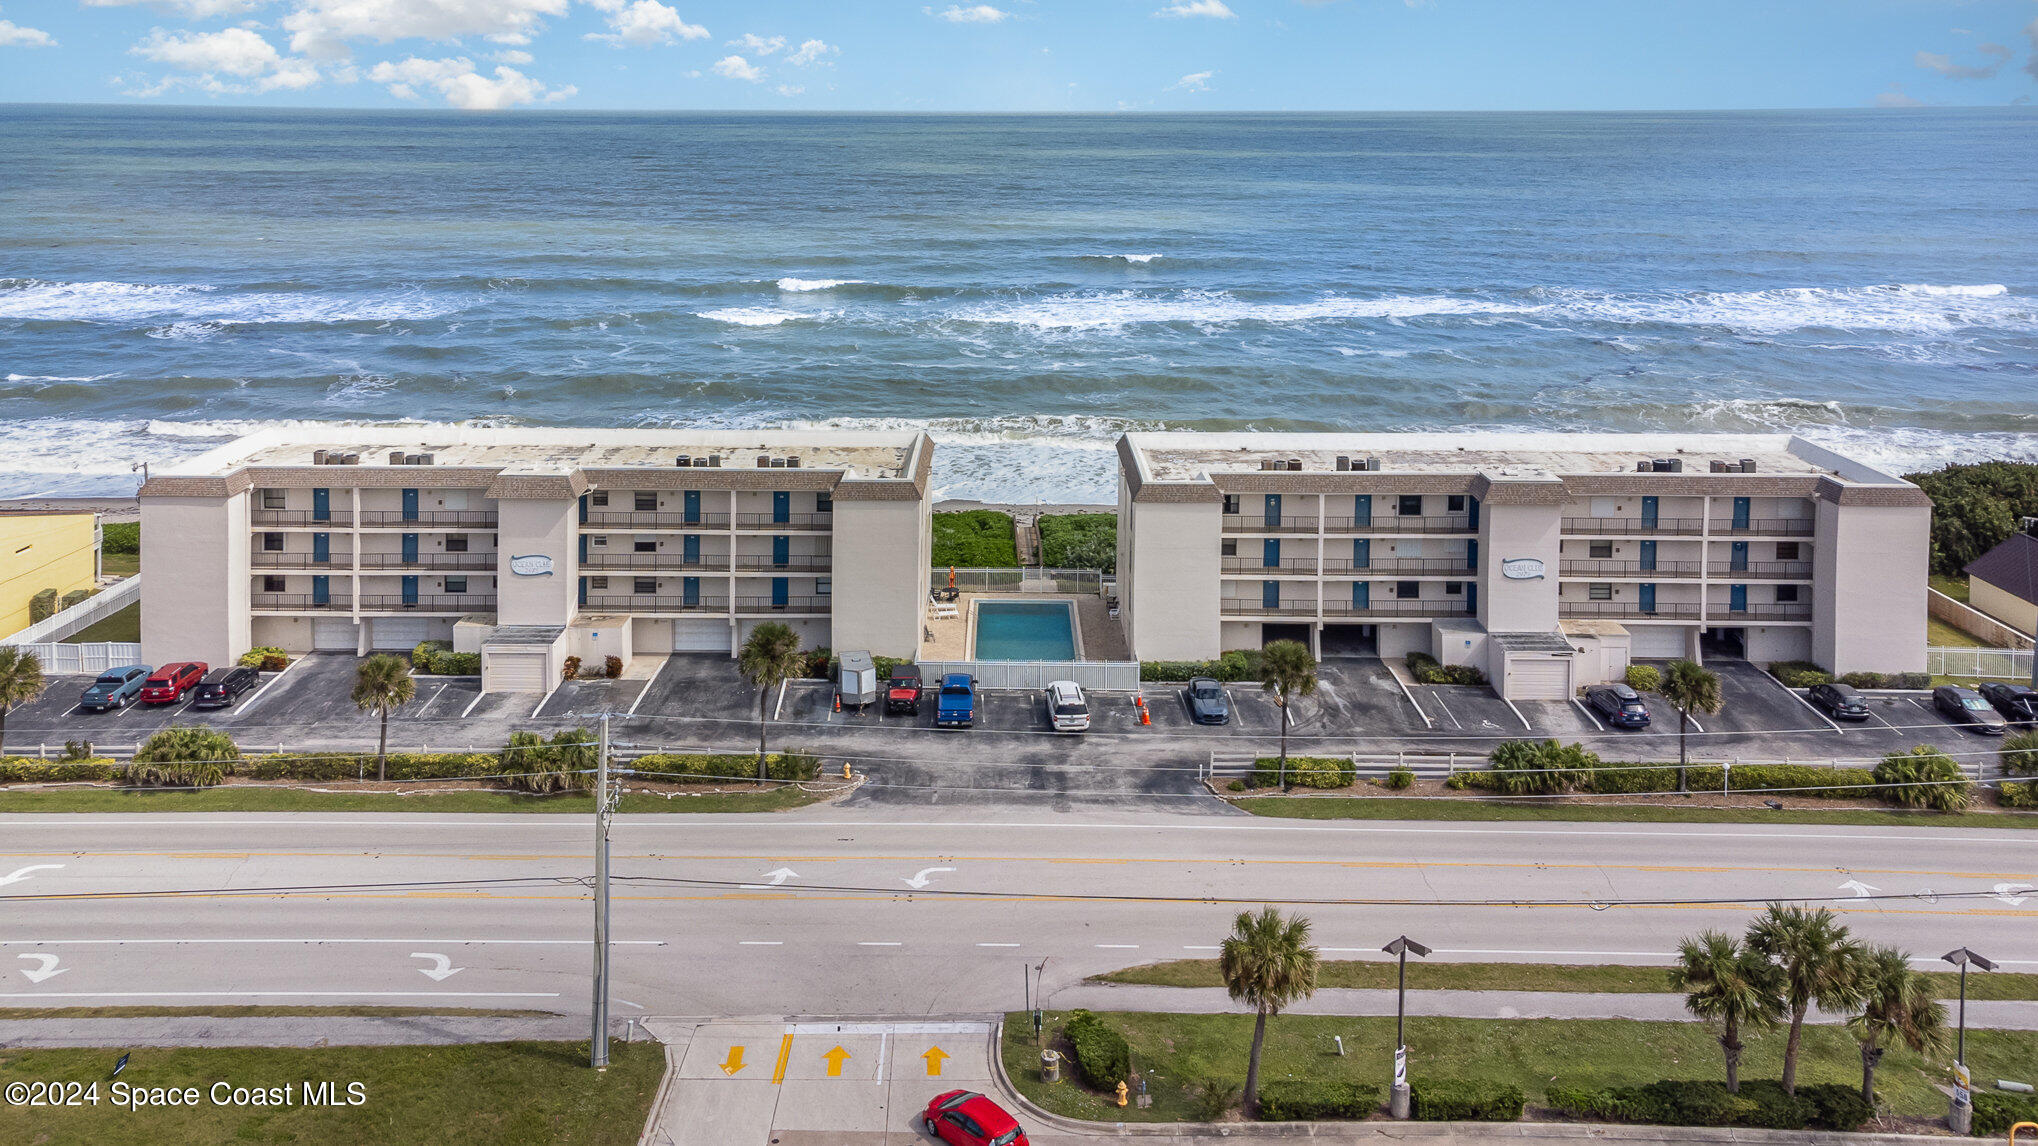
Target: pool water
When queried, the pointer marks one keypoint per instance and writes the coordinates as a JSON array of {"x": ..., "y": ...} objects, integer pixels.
[{"x": 1025, "y": 631}]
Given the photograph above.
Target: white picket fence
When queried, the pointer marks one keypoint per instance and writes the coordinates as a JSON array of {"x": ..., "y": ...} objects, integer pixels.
[
  {"x": 82, "y": 615},
  {"x": 59, "y": 659},
  {"x": 2014, "y": 664},
  {"x": 1102, "y": 676}
]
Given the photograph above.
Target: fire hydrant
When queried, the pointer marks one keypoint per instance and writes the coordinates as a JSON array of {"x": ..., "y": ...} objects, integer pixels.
[
  {"x": 845, "y": 771},
  {"x": 1121, "y": 1092}
]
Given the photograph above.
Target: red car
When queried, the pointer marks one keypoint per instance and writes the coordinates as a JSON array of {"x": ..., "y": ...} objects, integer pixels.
[
  {"x": 168, "y": 684},
  {"x": 966, "y": 1118}
]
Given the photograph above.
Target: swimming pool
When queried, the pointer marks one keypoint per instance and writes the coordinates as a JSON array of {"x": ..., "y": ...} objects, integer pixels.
[{"x": 1025, "y": 630}]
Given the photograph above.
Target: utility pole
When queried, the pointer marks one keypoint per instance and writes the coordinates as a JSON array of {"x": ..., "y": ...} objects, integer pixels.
[{"x": 598, "y": 1045}]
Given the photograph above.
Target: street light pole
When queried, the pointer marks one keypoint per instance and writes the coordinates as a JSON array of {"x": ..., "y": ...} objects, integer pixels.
[
  {"x": 1398, "y": 1097},
  {"x": 1960, "y": 1115},
  {"x": 598, "y": 1045}
]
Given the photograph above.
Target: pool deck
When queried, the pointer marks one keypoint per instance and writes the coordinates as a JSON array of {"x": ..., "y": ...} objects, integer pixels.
[{"x": 1103, "y": 639}]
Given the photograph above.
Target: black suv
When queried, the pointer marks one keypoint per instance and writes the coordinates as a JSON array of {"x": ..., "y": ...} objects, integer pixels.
[
  {"x": 222, "y": 686},
  {"x": 1839, "y": 701},
  {"x": 2017, "y": 702}
]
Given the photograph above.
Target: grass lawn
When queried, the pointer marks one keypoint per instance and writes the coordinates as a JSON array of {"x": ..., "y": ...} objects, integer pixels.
[
  {"x": 1940, "y": 635},
  {"x": 248, "y": 798},
  {"x": 485, "y": 1093},
  {"x": 1178, "y": 1052},
  {"x": 1607, "y": 978},
  {"x": 1419, "y": 808},
  {"x": 120, "y": 564},
  {"x": 125, "y": 625},
  {"x": 975, "y": 538},
  {"x": 1954, "y": 587}
]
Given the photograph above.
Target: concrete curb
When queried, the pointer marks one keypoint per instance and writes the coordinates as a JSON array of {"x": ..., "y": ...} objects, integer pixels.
[{"x": 665, "y": 1081}]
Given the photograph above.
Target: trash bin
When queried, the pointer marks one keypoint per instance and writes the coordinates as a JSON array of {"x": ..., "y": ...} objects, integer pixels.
[{"x": 1050, "y": 1066}]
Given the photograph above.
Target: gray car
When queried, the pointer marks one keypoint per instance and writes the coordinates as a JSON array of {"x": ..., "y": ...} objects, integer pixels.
[{"x": 115, "y": 688}]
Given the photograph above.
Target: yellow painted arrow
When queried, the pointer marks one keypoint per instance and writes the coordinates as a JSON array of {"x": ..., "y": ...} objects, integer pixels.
[
  {"x": 836, "y": 1058},
  {"x": 935, "y": 1056},
  {"x": 734, "y": 1062}
]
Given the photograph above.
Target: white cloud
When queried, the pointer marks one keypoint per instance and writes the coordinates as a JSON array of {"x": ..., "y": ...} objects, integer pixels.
[
  {"x": 759, "y": 45},
  {"x": 514, "y": 56},
  {"x": 1213, "y": 9},
  {"x": 2031, "y": 65},
  {"x": 974, "y": 14},
  {"x": 811, "y": 51},
  {"x": 324, "y": 27},
  {"x": 189, "y": 9},
  {"x": 13, "y": 35},
  {"x": 1895, "y": 96},
  {"x": 646, "y": 23},
  {"x": 738, "y": 68},
  {"x": 1941, "y": 62},
  {"x": 790, "y": 90},
  {"x": 252, "y": 62},
  {"x": 461, "y": 86},
  {"x": 1193, "y": 82}
]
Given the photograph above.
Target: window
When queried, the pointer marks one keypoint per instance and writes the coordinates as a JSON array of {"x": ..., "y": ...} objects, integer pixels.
[
  {"x": 644, "y": 586},
  {"x": 1600, "y": 549},
  {"x": 1455, "y": 503},
  {"x": 823, "y": 586},
  {"x": 1231, "y": 503},
  {"x": 1410, "y": 505},
  {"x": 1454, "y": 588},
  {"x": 1786, "y": 594},
  {"x": 272, "y": 543},
  {"x": 1599, "y": 591},
  {"x": 1786, "y": 551},
  {"x": 644, "y": 545},
  {"x": 1408, "y": 590},
  {"x": 646, "y": 501},
  {"x": 272, "y": 584},
  {"x": 1228, "y": 547},
  {"x": 599, "y": 542},
  {"x": 456, "y": 584},
  {"x": 598, "y": 497},
  {"x": 272, "y": 499},
  {"x": 824, "y": 502},
  {"x": 456, "y": 543},
  {"x": 597, "y": 582}
]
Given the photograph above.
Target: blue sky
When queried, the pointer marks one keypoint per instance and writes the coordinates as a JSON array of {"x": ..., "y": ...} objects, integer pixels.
[{"x": 1022, "y": 55}]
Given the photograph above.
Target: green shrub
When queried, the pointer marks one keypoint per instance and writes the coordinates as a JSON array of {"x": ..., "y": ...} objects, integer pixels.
[
  {"x": 1235, "y": 786},
  {"x": 1213, "y": 1098},
  {"x": 1522, "y": 767},
  {"x": 184, "y": 756},
  {"x": 1761, "y": 1103},
  {"x": 1458, "y": 781},
  {"x": 1079, "y": 541},
  {"x": 1864, "y": 680},
  {"x": 1995, "y": 1112},
  {"x": 788, "y": 765},
  {"x": 1400, "y": 778},
  {"x": 1974, "y": 507},
  {"x": 267, "y": 658},
  {"x": 1580, "y": 1102},
  {"x": 1620, "y": 780},
  {"x": 77, "y": 597},
  {"x": 1911, "y": 680},
  {"x": 1671, "y": 1103},
  {"x": 1644, "y": 678},
  {"x": 1771, "y": 1108},
  {"x": 1102, "y": 1055},
  {"x": 1799, "y": 674},
  {"x": 1426, "y": 669},
  {"x": 2019, "y": 754},
  {"x": 326, "y": 766},
  {"x": 120, "y": 537},
  {"x": 2018, "y": 794},
  {"x": 437, "y": 658},
  {"x": 975, "y": 538},
  {"x": 1836, "y": 1107},
  {"x": 29, "y": 770},
  {"x": 1465, "y": 1100},
  {"x": 421, "y": 654},
  {"x": 1924, "y": 777},
  {"x": 1313, "y": 1100},
  {"x": 42, "y": 606},
  {"x": 1306, "y": 772},
  {"x": 1236, "y": 665},
  {"x": 1822, "y": 783},
  {"x": 530, "y": 763}
]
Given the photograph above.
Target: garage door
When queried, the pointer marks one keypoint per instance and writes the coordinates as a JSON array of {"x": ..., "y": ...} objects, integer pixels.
[
  {"x": 329, "y": 635},
  {"x": 1656, "y": 642},
  {"x": 693, "y": 635},
  {"x": 1538, "y": 678},
  {"x": 398, "y": 632},
  {"x": 513, "y": 670}
]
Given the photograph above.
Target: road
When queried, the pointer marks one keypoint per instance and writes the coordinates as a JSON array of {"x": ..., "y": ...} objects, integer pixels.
[{"x": 836, "y": 911}]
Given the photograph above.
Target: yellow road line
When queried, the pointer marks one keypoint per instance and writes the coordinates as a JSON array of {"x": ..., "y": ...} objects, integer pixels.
[{"x": 785, "y": 1053}]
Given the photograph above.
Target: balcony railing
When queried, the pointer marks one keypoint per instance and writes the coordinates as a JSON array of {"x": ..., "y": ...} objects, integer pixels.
[
  {"x": 791, "y": 522},
  {"x": 1396, "y": 523},
  {"x": 480, "y": 562},
  {"x": 1764, "y": 571},
  {"x": 301, "y": 559},
  {"x": 789, "y": 605},
  {"x": 338, "y": 519},
  {"x": 1628, "y": 611},
  {"x": 428, "y": 603},
  {"x": 651, "y": 603},
  {"x": 713, "y": 562},
  {"x": 626, "y": 519},
  {"x": 1433, "y": 607},
  {"x": 1253, "y": 523},
  {"x": 298, "y": 603},
  {"x": 1626, "y": 526},
  {"x": 1797, "y": 612},
  {"x": 434, "y": 518},
  {"x": 794, "y": 563},
  {"x": 1258, "y": 565},
  {"x": 1613, "y": 567},
  {"x": 1431, "y": 565},
  {"x": 1766, "y": 527}
]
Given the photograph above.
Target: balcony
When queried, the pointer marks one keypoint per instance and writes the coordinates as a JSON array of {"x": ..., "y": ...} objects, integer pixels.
[
  {"x": 786, "y": 523},
  {"x": 1238, "y": 523},
  {"x": 474, "y": 562},
  {"x": 430, "y": 518},
  {"x": 301, "y": 559},
  {"x": 677, "y": 562},
  {"x": 794, "y": 563},
  {"x": 1616, "y": 569},
  {"x": 1395, "y": 523},
  {"x": 626, "y": 520},
  {"x": 1634, "y": 526},
  {"x": 337, "y": 519},
  {"x": 1434, "y": 566},
  {"x": 298, "y": 603},
  {"x": 1766, "y": 527},
  {"x": 808, "y": 605},
  {"x": 1764, "y": 571},
  {"x": 428, "y": 603},
  {"x": 650, "y": 603},
  {"x": 1801, "y": 611},
  {"x": 1627, "y": 611},
  {"x": 1247, "y": 607},
  {"x": 1258, "y": 567}
]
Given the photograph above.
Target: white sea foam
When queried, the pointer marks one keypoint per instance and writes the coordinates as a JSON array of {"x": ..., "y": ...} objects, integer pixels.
[
  {"x": 59, "y": 377},
  {"x": 1919, "y": 309},
  {"x": 1104, "y": 310},
  {"x": 1139, "y": 260},
  {"x": 751, "y": 315},
  {"x": 153, "y": 303},
  {"x": 797, "y": 286}
]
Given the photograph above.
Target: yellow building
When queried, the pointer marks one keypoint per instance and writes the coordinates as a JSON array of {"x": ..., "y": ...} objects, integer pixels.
[{"x": 41, "y": 551}]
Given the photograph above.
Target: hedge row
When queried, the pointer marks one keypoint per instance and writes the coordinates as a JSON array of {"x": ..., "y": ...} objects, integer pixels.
[
  {"x": 439, "y": 659},
  {"x": 1079, "y": 541},
  {"x": 29, "y": 770},
  {"x": 1465, "y": 1100},
  {"x": 1995, "y": 1112},
  {"x": 120, "y": 537},
  {"x": 1308, "y": 1100},
  {"x": 1305, "y": 772},
  {"x": 1804, "y": 674},
  {"x": 1760, "y": 1103},
  {"x": 1426, "y": 669},
  {"x": 267, "y": 658},
  {"x": 821, "y": 664},
  {"x": 1102, "y": 1054},
  {"x": 743, "y": 766},
  {"x": 1236, "y": 665}
]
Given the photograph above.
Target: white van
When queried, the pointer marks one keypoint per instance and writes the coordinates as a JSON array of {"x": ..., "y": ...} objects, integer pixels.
[{"x": 1067, "y": 711}]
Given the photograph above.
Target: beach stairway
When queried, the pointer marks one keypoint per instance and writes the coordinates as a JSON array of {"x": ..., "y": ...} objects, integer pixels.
[{"x": 1026, "y": 536}]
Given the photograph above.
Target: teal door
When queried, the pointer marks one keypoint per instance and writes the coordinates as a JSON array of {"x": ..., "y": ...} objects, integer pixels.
[
  {"x": 1648, "y": 559},
  {"x": 1649, "y": 598},
  {"x": 410, "y": 589},
  {"x": 322, "y": 548},
  {"x": 1270, "y": 553},
  {"x": 1362, "y": 595},
  {"x": 1472, "y": 516},
  {"x": 690, "y": 592},
  {"x": 583, "y": 509},
  {"x": 1471, "y": 596},
  {"x": 410, "y": 549},
  {"x": 1362, "y": 552},
  {"x": 781, "y": 592},
  {"x": 692, "y": 502},
  {"x": 321, "y": 505},
  {"x": 1737, "y": 560},
  {"x": 321, "y": 589},
  {"x": 1472, "y": 555},
  {"x": 1737, "y": 598},
  {"x": 690, "y": 549},
  {"x": 1362, "y": 510},
  {"x": 1270, "y": 594},
  {"x": 583, "y": 549},
  {"x": 781, "y": 506},
  {"x": 781, "y": 551},
  {"x": 410, "y": 505},
  {"x": 583, "y": 590},
  {"x": 1741, "y": 505},
  {"x": 1648, "y": 513},
  {"x": 1273, "y": 516}
]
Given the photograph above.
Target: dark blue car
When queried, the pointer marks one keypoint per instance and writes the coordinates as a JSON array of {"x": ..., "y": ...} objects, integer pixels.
[
  {"x": 115, "y": 688},
  {"x": 1618, "y": 705}
]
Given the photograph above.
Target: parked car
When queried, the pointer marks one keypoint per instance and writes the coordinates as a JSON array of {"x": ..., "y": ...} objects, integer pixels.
[
  {"x": 956, "y": 707},
  {"x": 1965, "y": 706},
  {"x": 2017, "y": 702},
  {"x": 167, "y": 685},
  {"x": 1839, "y": 701},
  {"x": 1618, "y": 705},
  {"x": 1067, "y": 711},
  {"x": 902, "y": 690},
  {"x": 1208, "y": 702},
  {"x": 115, "y": 688},
  {"x": 966, "y": 1118},
  {"x": 222, "y": 686}
]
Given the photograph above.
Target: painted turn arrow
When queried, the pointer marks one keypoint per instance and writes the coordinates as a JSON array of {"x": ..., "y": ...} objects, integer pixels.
[
  {"x": 47, "y": 970},
  {"x": 442, "y": 970},
  {"x": 734, "y": 1062},
  {"x": 919, "y": 879},
  {"x": 776, "y": 877},
  {"x": 1860, "y": 890},
  {"x": 21, "y": 873},
  {"x": 2007, "y": 892},
  {"x": 836, "y": 1058},
  {"x": 935, "y": 1056}
]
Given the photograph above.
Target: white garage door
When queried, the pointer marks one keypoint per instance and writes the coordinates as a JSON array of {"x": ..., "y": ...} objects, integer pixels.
[
  {"x": 332, "y": 635},
  {"x": 694, "y": 635},
  {"x": 513, "y": 670},
  {"x": 1656, "y": 642},
  {"x": 398, "y": 632},
  {"x": 1536, "y": 677}
]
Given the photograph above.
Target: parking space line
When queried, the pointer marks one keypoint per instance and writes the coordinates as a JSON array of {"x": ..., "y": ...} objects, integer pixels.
[
  {"x": 1426, "y": 721},
  {"x": 1517, "y": 714},
  {"x": 471, "y": 704},
  {"x": 1589, "y": 714},
  {"x": 645, "y": 691},
  {"x": 1809, "y": 706},
  {"x": 544, "y": 699},
  {"x": 1439, "y": 699},
  {"x": 264, "y": 690}
]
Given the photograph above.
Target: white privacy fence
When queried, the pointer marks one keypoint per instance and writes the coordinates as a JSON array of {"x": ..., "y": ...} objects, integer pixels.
[
  {"x": 1026, "y": 580},
  {"x": 82, "y": 615},
  {"x": 1106, "y": 676},
  {"x": 59, "y": 658},
  {"x": 2014, "y": 664}
]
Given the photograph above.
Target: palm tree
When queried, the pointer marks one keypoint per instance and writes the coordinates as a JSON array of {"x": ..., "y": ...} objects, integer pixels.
[
  {"x": 1690, "y": 688},
  {"x": 1819, "y": 964},
  {"x": 1288, "y": 671},
  {"x": 768, "y": 659},
  {"x": 383, "y": 683},
  {"x": 1266, "y": 961},
  {"x": 1732, "y": 984},
  {"x": 1896, "y": 1004},
  {"x": 21, "y": 681}
]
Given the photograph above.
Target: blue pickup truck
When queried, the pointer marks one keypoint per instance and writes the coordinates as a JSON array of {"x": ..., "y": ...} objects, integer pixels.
[{"x": 957, "y": 706}]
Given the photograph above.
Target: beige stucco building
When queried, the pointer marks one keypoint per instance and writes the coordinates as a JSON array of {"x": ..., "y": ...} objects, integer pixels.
[
  {"x": 1547, "y": 560},
  {"x": 530, "y": 545}
]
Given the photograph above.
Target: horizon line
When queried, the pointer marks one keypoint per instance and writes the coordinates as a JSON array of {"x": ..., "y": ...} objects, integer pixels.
[{"x": 1150, "y": 112}]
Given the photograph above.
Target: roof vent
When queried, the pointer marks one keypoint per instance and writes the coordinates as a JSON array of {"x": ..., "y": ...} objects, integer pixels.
[
  {"x": 413, "y": 459},
  {"x": 1266, "y": 463}
]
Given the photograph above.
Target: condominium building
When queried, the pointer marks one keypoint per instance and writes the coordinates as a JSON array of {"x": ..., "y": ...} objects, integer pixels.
[
  {"x": 532, "y": 545},
  {"x": 1546, "y": 560}
]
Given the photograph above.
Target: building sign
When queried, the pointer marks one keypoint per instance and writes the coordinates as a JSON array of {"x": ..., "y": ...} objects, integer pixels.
[
  {"x": 1522, "y": 569},
  {"x": 531, "y": 565}
]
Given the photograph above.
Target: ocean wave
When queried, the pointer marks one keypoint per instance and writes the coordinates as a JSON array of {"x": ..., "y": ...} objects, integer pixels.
[
  {"x": 1135, "y": 260},
  {"x": 120, "y": 302},
  {"x": 1103, "y": 310},
  {"x": 753, "y": 315},
  {"x": 1914, "y": 308},
  {"x": 800, "y": 286}
]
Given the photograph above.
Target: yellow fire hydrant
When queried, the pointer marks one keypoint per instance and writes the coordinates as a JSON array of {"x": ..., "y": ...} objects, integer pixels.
[
  {"x": 845, "y": 770},
  {"x": 1121, "y": 1092}
]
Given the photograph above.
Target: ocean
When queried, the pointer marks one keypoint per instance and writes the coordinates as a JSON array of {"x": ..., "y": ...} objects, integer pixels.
[{"x": 1025, "y": 287}]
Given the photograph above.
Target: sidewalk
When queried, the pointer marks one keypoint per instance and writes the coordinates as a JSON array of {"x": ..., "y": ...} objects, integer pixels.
[{"x": 289, "y": 1031}]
